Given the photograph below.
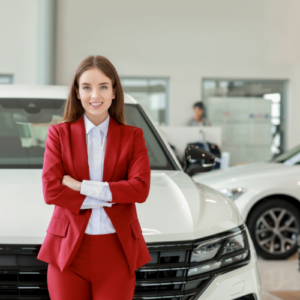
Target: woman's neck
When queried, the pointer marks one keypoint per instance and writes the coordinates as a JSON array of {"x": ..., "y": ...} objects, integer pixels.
[{"x": 97, "y": 120}]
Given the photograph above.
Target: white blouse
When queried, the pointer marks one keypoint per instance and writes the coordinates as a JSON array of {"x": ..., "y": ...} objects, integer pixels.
[{"x": 98, "y": 193}]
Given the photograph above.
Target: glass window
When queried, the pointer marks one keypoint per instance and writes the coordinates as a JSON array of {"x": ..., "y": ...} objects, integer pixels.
[
  {"x": 24, "y": 126},
  {"x": 151, "y": 93},
  {"x": 6, "y": 79},
  {"x": 250, "y": 113},
  {"x": 157, "y": 157}
]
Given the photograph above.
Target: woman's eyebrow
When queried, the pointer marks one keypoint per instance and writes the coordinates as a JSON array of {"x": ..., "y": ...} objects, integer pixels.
[{"x": 102, "y": 83}]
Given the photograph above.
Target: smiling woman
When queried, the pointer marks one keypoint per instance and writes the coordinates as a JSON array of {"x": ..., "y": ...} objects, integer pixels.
[
  {"x": 96, "y": 93},
  {"x": 96, "y": 90},
  {"x": 92, "y": 162}
]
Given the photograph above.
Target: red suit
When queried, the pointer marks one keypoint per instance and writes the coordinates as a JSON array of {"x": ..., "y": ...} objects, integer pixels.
[{"x": 127, "y": 171}]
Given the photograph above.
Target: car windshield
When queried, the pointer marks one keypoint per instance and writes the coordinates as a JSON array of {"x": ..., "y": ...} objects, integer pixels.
[
  {"x": 291, "y": 157},
  {"x": 24, "y": 125}
]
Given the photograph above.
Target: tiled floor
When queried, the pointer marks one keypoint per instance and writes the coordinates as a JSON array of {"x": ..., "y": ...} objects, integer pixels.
[{"x": 280, "y": 279}]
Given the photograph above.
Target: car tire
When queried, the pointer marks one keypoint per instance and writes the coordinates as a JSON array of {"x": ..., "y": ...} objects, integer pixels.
[{"x": 274, "y": 226}]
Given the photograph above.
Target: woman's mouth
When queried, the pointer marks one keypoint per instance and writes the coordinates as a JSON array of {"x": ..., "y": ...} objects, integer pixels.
[{"x": 96, "y": 104}]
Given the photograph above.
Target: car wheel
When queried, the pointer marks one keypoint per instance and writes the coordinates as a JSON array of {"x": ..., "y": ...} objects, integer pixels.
[{"x": 274, "y": 226}]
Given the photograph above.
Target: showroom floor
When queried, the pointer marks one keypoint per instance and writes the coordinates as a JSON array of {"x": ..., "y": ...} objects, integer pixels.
[{"x": 280, "y": 279}]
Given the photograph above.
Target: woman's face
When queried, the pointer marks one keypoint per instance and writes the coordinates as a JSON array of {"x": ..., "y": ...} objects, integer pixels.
[{"x": 96, "y": 93}]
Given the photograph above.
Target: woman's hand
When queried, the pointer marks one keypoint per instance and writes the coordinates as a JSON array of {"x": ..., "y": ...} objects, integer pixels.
[{"x": 71, "y": 183}]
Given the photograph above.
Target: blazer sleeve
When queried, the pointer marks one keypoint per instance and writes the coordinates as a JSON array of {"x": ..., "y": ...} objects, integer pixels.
[
  {"x": 136, "y": 187},
  {"x": 53, "y": 171}
]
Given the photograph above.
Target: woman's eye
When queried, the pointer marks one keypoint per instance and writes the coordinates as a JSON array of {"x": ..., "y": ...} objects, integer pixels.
[
  {"x": 86, "y": 87},
  {"x": 103, "y": 87}
]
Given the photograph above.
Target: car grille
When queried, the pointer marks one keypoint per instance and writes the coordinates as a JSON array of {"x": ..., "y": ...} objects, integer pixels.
[
  {"x": 165, "y": 276},
  {"x": 23, "y": 276}
]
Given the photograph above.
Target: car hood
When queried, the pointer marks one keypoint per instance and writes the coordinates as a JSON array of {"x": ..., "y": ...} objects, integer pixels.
[
  {"x": 177, "y": 208},
  {"x": 232, "y": 176}
]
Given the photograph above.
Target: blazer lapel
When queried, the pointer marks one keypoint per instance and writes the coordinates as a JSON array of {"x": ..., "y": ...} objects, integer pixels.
[
  {"x": 79, "y": 150},
  {"x": 111, "y": 151}
]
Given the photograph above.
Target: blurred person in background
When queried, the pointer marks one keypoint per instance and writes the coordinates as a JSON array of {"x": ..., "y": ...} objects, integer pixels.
[{"x": 198, "y": 119}]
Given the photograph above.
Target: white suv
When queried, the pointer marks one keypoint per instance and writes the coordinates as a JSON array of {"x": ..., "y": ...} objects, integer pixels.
[
  {"x": 199, "y": 245},
  {"x": 267, "y": 196}
]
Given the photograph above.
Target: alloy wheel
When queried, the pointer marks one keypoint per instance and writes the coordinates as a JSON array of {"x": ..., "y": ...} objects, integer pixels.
[{"x": 276, "y": 230}]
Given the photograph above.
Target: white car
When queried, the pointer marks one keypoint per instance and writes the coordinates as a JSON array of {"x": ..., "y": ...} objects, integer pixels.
[
  {"x": 199, "y": 244},
  {"x": 267, "y": 195}
]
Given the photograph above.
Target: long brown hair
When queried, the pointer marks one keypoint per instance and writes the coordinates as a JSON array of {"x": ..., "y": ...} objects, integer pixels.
[{"x": 74, "y": 110}]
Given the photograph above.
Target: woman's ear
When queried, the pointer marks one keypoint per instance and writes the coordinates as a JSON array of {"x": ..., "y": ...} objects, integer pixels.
[
  {"x": 114, "y": 94},
  {"x": 77, "y": 93}
]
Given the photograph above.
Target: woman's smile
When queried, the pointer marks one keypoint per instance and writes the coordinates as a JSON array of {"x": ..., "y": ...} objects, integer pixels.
[{"x": 96, "y": 105}]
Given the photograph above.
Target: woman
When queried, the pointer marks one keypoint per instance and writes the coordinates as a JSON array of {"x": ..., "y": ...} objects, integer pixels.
[{"x": 95, "y": 169}]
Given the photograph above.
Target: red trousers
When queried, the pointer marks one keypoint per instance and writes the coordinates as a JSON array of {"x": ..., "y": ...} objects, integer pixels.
[{"x": 99, "y": 271}]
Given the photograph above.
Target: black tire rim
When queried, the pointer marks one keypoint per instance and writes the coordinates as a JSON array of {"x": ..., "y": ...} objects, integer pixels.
[{"x": 276, "y": 231}]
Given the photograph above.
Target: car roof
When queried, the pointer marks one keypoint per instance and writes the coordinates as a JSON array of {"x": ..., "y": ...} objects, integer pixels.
[{"x": 42, "y": 92}]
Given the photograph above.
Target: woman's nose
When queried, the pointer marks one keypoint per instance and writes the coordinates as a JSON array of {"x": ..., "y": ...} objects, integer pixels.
[{"x": 95, "y": 94}]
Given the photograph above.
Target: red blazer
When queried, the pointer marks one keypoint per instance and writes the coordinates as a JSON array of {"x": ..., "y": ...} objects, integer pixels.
[{"x": 127, "y": 171}]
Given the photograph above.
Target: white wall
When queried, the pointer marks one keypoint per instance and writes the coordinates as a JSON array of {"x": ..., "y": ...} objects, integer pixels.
[
  {"x": 186, "y": 41},
  {"x": 18, "y": 39}
]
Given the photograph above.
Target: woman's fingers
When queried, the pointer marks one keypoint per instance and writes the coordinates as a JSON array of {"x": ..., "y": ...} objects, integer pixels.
[
  {"x": 71, "y": 183},
  {"x": 65, "y": 180}
]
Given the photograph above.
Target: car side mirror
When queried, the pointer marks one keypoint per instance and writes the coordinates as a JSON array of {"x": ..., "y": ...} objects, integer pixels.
[{"x": 197, "y": 160}]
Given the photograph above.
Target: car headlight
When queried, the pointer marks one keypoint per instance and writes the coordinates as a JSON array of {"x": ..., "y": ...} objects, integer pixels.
[
  {"x": 219, "y": 252},
  {"x": 233, "y": 194}
]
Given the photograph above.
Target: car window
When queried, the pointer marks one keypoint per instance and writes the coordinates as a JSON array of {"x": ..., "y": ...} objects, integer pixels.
[
  {"x": 157, "y": 157},
  {"x": 24, "y": 126},
  {"x": 291, "y": 157}
]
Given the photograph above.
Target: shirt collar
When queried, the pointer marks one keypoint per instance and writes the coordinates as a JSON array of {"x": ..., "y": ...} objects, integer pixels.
[{"x": 103, "y": 126}]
